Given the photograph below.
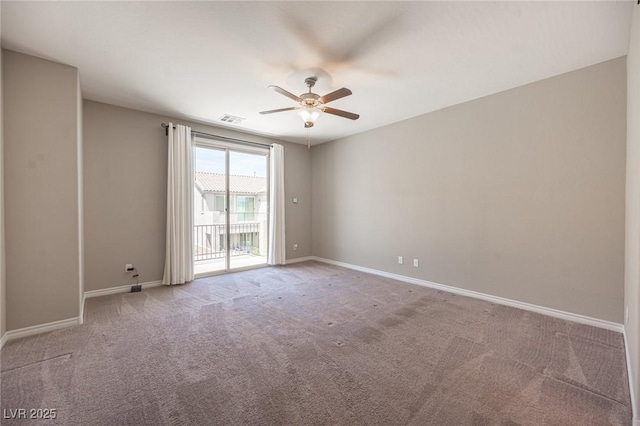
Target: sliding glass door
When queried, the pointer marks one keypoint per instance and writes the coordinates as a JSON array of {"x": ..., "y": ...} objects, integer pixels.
[
  {"x": 231, "y": 218},
  {"x": 248, "y": 203}
]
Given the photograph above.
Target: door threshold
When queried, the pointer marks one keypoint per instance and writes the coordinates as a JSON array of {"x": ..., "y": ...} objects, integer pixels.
[{"x": 230, "y": 271}]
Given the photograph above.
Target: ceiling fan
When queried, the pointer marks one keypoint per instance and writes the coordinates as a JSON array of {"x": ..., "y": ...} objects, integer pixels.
[{"x": 311, "y": 105}]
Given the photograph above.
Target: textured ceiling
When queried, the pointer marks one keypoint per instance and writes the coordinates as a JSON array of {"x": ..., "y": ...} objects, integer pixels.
[{"x": 200, "y": 60}]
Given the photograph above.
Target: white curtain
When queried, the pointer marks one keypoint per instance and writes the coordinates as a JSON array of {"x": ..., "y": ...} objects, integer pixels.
[
  {"x": 277, "y": 254},
  {"x": 178, "y": 266}
]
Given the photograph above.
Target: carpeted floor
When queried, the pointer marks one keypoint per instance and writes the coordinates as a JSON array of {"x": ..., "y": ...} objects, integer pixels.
[{"x": 311, "y": 343}]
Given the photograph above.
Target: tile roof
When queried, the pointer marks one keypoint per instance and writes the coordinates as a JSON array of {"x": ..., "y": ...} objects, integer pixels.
[{"x": 215, "y": 182}]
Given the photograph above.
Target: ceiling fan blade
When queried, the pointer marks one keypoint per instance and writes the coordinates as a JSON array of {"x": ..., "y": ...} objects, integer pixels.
[
  {"x": 340, "y": 113},
  {"x": 284, "y": 92},
  {"x": 271, "y": 111},
  {"x": 340, "y": 93}
]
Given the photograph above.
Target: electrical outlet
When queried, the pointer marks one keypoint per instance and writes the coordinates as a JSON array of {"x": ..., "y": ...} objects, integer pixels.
[
  {"x": 416, "y": 263},
  {"x": 295, "y": 246},
  {"x": 400, "y": 260},
  {"x": 128, "y": 267}
]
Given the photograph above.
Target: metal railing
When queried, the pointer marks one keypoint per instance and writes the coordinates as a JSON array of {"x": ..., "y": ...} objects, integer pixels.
[{"x": 210, "y": 241}]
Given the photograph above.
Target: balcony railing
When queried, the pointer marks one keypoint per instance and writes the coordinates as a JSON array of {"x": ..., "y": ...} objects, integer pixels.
[{"x": 210, "y": 240}]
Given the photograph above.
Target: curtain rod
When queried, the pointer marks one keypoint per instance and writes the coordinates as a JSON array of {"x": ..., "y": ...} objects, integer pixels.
[{"x": 223, "y": 138}]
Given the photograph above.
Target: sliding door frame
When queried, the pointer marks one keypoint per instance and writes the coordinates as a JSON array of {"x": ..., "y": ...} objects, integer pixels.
[{"x": 201, "y": 141}]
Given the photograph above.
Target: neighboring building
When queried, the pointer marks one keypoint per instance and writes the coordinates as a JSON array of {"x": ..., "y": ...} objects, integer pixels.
[{"x": 247, "y": 215}]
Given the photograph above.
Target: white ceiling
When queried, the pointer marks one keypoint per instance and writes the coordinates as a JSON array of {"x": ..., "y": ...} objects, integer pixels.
[{"x": 200, "y": 60}]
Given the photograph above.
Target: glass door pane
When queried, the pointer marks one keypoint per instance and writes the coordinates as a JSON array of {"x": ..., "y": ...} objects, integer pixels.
[
  {"x": 248, "y": 219},
  {"x": 209, "y": 212}
]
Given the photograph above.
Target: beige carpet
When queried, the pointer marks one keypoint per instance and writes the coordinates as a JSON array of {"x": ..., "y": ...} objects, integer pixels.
[{"x": 315, "y": 344}]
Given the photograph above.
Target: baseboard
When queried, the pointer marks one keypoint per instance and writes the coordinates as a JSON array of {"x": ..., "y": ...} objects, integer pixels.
[
  {"x": 3, "y": 340},
  {"x": 41, "y": 328},
  {"x": 119, "y": 289},
  {"x": 299, "y": 259},
  {"x": 632, "y": 384},
  {"x": 81, "y": 316},
  {"x": 556, "y": 313}
]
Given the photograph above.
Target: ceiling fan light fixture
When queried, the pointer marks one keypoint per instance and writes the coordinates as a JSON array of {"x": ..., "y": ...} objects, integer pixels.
[
  {"x": 311, "y": 105},
  {"x": 309, "y": 115}
]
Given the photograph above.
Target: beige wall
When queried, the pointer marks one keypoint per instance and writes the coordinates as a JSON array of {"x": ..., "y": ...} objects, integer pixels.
[
  {"x": 519, "y": 194},
  {"x": 632, "y": 264},
  {"x": 41, "y": 190},
  {"x": 125, "y": 162}
]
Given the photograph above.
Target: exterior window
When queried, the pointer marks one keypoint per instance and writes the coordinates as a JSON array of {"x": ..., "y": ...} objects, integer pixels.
[
  {"x": 244, "y": 208},
  {"x": 219, "y": 203}
]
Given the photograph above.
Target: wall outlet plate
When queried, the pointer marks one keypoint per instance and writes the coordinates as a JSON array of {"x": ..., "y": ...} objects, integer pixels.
[
  {"x": 400, "y": 260},
  {"x": 416, "y": 262},
  {"x": 128, "y": 267}
]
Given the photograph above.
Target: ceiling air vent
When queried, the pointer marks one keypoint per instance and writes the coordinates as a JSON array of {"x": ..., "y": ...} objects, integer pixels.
[{"x": 231, "y": 119}]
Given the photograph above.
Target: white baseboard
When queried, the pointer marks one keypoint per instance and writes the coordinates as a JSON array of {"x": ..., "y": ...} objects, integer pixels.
[
  {"x": 3, "y": 340},
  {"x": 556, "y": 313},
  {"x": 299, "y": 259},
  {"x": 119, "y": 289},
  {"x": 81, "y": 316},
  {"x": 632, "y": 384},
  {"x": 41, "y": 328}
]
